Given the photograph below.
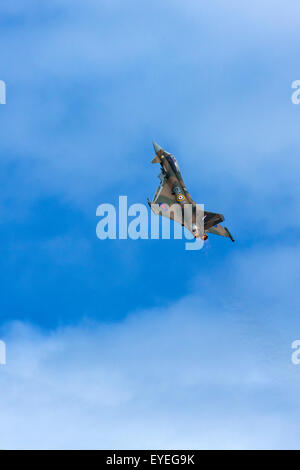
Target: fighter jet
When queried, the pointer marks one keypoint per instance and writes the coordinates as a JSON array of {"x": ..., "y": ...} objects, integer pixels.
[{"x": 171, "y": 199}]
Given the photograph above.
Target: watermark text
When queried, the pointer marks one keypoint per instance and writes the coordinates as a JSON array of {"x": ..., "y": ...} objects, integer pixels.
[
  {"x": 296, "y": 94},
  {"x": 296, "y": 354},
  {"x": 133, "y": 222},
  {"x": 2, "y": 92},
  {"x": 2, "y": 353}
]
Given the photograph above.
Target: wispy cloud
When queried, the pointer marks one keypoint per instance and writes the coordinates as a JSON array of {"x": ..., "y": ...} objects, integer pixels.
[
  {"x": 192, "y": 375},
  {"x": 158, "y": 380},
  {"x": 91, "y": 85}
]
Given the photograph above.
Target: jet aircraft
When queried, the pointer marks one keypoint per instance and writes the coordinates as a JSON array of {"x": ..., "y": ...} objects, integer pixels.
[{"x": 172, "y": 197}]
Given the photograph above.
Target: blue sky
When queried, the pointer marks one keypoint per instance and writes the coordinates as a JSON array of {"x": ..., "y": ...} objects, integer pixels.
[{"x": 141, "y": 344}]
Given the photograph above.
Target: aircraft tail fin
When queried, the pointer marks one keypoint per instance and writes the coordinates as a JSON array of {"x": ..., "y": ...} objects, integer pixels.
[
  {"x": 219, "y": 230},
  {"x": 229, "y": 234}
]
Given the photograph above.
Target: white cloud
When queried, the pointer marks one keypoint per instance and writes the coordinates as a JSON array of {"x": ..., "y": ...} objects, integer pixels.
[
  {"x": 193, "y": 375},
  {"x": 90, "y": 86},
  {"x": 159, "y": 380}
]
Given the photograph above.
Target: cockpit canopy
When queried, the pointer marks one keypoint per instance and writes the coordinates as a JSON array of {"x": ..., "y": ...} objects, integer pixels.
[{"x": 173, "y": 163}]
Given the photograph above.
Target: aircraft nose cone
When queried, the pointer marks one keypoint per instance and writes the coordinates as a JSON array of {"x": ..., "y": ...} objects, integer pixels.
[{"x": 157, "y": 147}]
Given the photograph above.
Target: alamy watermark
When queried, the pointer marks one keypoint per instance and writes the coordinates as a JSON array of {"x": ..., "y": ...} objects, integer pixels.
[
  {"x": 2, "y": 92},
  {"x": 115, "y": 222},
  {"x": 295, "y": 358},
  {"x": 2, "y": 353},
  {"x": 296, "y": 94}
]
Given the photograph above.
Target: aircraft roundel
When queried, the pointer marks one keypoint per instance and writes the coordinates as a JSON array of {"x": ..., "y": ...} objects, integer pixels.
[{"x": 180, "y": 197}]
